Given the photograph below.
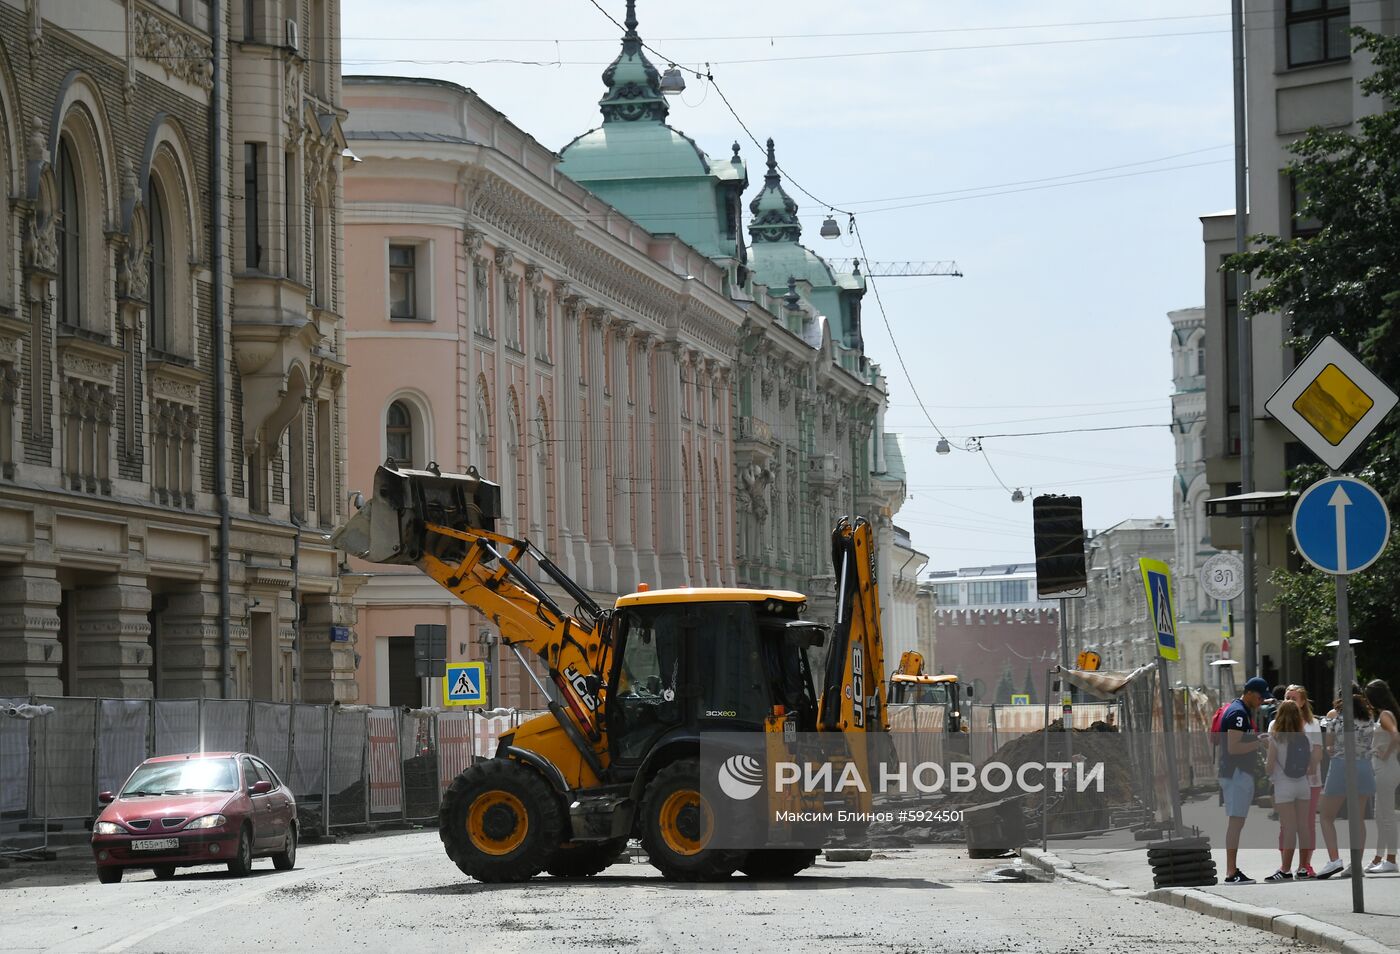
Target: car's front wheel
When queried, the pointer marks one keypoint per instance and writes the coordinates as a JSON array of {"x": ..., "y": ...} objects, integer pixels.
[
  {"x": 242, "y": 862},
  {"x": 164, "y": 872},
  {"x": 110, "y": 875},
  {"x": 286, "y": 859}
]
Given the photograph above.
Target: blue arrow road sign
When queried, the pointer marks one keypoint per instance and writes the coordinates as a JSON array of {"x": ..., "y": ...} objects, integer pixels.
[{"x": 1340, "y": 525}]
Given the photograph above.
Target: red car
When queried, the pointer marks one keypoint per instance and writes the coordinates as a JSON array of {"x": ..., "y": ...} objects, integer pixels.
[{"x": 204, "y": 808}]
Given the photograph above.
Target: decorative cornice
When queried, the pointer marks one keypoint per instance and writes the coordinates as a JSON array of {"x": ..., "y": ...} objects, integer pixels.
[
  {"x": 179, "y": 52},
  {"x": 173, "y": 382},
  {"x": 86, "y": 360}
]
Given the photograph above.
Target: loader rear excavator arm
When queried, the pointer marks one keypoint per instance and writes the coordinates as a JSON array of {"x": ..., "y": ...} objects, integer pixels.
[
  {"x": 444, "y": 525},
  {"x": 853, "y": 691}
]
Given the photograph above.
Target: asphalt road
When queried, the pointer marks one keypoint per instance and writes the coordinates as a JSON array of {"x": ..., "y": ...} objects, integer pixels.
[{"x": 400, "y": 894}]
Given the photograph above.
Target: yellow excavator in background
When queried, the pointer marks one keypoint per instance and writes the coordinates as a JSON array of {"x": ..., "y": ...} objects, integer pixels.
[
  {"x": 633, "y": 688},
  {"x": 910, "y": 684}
]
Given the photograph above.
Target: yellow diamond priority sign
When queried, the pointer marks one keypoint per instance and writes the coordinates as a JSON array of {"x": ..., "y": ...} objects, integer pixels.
[{"x": 1331, "y": 402}]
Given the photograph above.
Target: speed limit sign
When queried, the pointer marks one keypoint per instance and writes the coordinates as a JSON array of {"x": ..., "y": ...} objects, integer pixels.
[{"x": 1222, "y": 576}]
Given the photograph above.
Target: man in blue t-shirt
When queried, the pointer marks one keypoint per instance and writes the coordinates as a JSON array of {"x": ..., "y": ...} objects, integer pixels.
[{"x": 1238, "y": 753}]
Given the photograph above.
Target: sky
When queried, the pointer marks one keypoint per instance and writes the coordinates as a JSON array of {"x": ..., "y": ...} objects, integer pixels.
[{"x": 1061, "y": 154}]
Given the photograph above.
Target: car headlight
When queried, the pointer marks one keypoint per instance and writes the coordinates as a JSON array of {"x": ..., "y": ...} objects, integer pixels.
[
  {"x": 956, "y": 713},
  {"x": 107, "y": 828},
  {"x": 208, "y": 821}
]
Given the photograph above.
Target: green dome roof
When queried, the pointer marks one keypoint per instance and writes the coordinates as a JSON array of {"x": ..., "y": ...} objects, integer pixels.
[
  {"x": 776, "y": 252},
  {"x": 773, "y": 263},
  {"x": 632, "y": 150}
]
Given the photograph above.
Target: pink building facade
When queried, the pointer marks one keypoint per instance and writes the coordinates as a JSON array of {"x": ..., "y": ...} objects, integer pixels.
[{"x": 503, "y": 317}]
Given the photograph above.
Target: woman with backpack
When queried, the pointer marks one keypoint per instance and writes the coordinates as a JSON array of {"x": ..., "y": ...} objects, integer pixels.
[
  {"x": 1386, "y": 762},
  {"x": 1334, "y": 792},
  {"x": 1307, "y": 831},
  {"x": 1290, "y": 761}
]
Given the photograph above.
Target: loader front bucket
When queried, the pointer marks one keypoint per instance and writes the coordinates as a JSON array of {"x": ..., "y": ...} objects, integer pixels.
[{"x": 391, "y": 527}]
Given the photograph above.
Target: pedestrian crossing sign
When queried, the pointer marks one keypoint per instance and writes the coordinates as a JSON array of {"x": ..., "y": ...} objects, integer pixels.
[
  {"x": 1157, "y": 581},
  {"x": 465, "y": 684}
]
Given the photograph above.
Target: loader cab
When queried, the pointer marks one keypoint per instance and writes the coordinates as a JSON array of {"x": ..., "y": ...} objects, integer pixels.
[{"x": 706, "y": 660}]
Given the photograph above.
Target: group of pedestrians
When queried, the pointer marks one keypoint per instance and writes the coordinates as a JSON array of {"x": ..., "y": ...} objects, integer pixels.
[{"x": 1303, "y": 757}]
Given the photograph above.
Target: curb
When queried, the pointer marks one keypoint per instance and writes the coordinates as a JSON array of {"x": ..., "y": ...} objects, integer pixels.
[{"x": 1277, "y": 920}]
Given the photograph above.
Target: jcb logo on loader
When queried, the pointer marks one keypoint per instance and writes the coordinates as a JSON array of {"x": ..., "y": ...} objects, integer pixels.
[
  {"x": 575, "y": 679},
  {"x": 858, "y": 685}
]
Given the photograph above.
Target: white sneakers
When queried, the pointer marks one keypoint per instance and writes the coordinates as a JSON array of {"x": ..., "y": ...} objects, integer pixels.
[
  {"x": 1332, "y": 867},
  {"x": 1382, "y": 867}
]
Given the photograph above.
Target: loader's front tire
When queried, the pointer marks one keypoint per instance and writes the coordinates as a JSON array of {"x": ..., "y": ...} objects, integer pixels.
[
  {"x": 773, "y": 864},
  {"x": 500, "y": 821},
  {"x": 678, "y": 824},
  {"x": 584, "y": 859}
]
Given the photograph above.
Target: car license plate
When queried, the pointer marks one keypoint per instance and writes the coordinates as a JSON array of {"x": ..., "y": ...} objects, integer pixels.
[{"x": 155, "y": 844}]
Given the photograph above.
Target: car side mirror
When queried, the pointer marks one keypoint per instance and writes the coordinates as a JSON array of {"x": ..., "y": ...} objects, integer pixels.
[
  {"x": 261, "y": 787},
  {"x": 105, "y": 798}
]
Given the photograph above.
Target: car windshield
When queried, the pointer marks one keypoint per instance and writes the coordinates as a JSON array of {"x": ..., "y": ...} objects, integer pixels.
[{"x": 181, "y": 778}]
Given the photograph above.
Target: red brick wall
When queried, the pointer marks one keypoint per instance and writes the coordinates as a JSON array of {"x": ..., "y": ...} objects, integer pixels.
[{"x": 979, "y": 644}]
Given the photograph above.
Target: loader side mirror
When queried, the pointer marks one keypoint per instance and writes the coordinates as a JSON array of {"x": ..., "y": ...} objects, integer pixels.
[
  {"x": 969, "y": 692},
  {"x": 593, "y": 684}
]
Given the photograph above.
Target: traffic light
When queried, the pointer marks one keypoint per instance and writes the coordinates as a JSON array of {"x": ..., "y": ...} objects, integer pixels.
[{"x": 1059, "y": 546}]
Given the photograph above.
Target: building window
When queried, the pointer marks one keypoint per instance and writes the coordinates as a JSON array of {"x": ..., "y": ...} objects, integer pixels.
[
  {"x": 159, "y": 276},
  {"x": 1317, "y": 31},
  {"x": 319, "y": 266},
  {"x": 947, "y": 594},
  {"x": 252, "y": 200},
  {"x": 995, "y": 592},
  {"x": 250, "y": 21},
  {"x": 288, "y": 209},
  {"x": 403, "y": 284},
  {"x": 1301, "y": 226},
  {"x": 398, "y": 433},
  {"x": 70, "y": 256}
]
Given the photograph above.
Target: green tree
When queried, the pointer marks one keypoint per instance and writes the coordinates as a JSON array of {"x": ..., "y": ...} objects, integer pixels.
[
  {"x": 1006, "y": 685},
  {"x": 1029, "y": 690},
  {"x": 1344, "y": 280}
]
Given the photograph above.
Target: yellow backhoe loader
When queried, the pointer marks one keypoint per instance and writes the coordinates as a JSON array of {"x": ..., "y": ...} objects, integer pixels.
[
  {"x": 634, "y": 688},
  {"x": 910, "y": 684}
]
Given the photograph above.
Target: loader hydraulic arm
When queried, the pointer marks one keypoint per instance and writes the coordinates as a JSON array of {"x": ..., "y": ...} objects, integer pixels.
[
  {"x": 444, "y": 525},
  {"x": 853, "y": 692}
]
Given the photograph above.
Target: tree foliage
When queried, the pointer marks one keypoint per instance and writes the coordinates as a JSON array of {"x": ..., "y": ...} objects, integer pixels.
[{"x": 1344, "y": 280}]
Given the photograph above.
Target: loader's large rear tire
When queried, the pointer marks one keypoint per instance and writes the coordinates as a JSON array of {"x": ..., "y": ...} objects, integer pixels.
[
  {"x": 584, "y": 859},
  {"x": 773, "y": 864},
  {"x": 677, "y": 825},
  {"x": 500, "y": 821}
]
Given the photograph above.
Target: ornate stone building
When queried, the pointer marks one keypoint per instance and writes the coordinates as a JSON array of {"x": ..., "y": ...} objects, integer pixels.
[
  {"x": 171, "y": 365},
  {"x": 587, "y": 329}
]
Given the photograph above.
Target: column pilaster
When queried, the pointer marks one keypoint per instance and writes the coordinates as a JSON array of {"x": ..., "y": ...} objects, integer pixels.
[{"x": 29, "y": 650}]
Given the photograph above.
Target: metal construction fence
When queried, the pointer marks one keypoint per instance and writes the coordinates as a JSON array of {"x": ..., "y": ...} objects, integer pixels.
[
  {"x": 346, "y": 765},
  {"x": 992, "y": 726}
]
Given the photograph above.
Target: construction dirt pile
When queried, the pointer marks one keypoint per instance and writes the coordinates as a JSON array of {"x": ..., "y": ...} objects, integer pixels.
[{"x": 1092, "y": 746}]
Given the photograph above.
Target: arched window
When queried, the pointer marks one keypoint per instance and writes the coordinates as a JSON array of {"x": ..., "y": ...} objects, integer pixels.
[
  {"x": 539, "y": 483},
  {"x": 398, "y": 433},
  {"x": 513, "y": 492},
  {"x": 485, "y": 460},
  {"x": 70, "y": 245},
  {"x": 159, "y": 324}
]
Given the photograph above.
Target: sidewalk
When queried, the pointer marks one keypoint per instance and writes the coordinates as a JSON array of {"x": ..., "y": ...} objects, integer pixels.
[{"x": 1317, "y": 912}]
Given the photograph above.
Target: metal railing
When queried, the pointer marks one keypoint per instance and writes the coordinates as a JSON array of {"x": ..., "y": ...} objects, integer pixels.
[{"x": 347, "y": 765}]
